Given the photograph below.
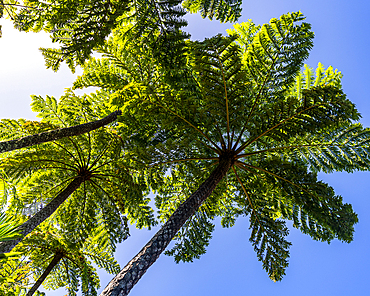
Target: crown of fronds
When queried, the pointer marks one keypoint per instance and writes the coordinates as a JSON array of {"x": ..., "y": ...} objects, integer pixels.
[
  {"x": 74, "y": 270},
  {"x": 112, "y": 192},
  {"x": 243, "y": 96}
]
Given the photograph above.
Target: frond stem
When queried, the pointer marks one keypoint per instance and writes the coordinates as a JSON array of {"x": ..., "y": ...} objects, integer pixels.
[
  {"x": 66, "y": 150},
  {"x": 249, "y": 199},
  {"x": 275, "y": 126},
  {"x": 289, "y": 147},
  {"x": 101, "y": 154},
  {"x": 186, "y": 121},
  {"x": 254, "y": 105},
  {"x": 288, "y": 181},
  {"x": 226, "y": 99}
]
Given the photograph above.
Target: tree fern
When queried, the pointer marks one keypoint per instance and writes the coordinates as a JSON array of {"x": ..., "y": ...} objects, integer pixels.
[
  {"x": 42, "y": 172},
  {"x": 73, "y": 268},
  {"x": 245, "y": 100},
  {"x": 240, "y": 113}
]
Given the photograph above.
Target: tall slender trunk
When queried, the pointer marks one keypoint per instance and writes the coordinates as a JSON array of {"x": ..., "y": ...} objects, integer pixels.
[
  {"x": 57, "y": 134},
  {"x": 123, "y": 282},
  {"x": 48, "y": 269},
  {"x": 42, "y": 215}
]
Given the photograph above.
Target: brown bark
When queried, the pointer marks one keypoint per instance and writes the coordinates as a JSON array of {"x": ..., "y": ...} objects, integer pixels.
[
  {"x": 123, "y": 282},
  {"x": 57, "y": 134},
  {"x": 42, "y": 215},
  {"x": 48, "y": 269}
]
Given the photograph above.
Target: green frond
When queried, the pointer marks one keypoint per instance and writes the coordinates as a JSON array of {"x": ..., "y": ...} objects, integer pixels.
[
  {"x": 192, "y": 239},
  {"x": 100, "y": 73},
  {"x": 104, "y": 260},
  {"x": 78, "y": 26},
  {"x": 268, "y": 239},
  {"x": 333, "y": 149},
  {"x": 11, "y": 128},
  {"x": 319, "y": 108},
  {"x": 70, "y": 109},
  {"x": 221, "y": 82},
  {"x": 267, "y": 59},
  {"x": 267, "y": 232},
  {"x": 343, "y": 149},
  {"x": 14, "y": 276},
  {"x": 8, "y": 228},
  {"x": 245, "y": 33},
  {"x": 83, "y": 26},
  {"x": 222, "y": 10},
  {"x": 311, "y": 204},
  {"x": 55, "y": 56},
  {"x": 272, "y": 57},
  {"x": 307, "y": 79}
]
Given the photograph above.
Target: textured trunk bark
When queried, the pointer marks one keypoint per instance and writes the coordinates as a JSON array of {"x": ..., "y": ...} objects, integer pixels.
[
  {"x": 123, "y": 282},
  {"x": 48, "y": 269},
  {"x": 42, "y": 215},
  {"x": 57, "y": 134}
]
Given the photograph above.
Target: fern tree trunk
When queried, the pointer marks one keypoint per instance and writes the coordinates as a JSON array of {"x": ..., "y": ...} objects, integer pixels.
[
  {"x": 123, "y": 282},
  {"x": 42, "y": 215},
  {"x": 40, "y": 280},
  {"x": 57, "y": 134}
]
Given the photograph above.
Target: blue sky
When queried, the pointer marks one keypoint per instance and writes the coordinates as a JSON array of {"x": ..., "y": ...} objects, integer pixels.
[{"x": 230, "y": 266}]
